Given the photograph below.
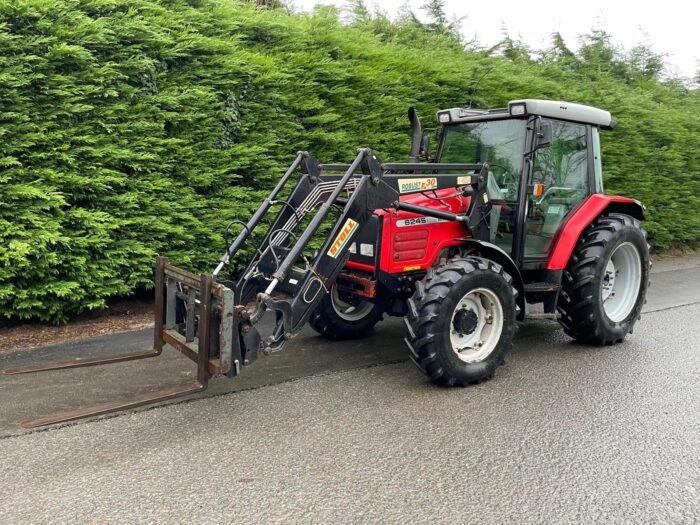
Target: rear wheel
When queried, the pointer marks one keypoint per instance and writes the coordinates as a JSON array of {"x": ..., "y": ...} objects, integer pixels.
[
  {"x": 605, "y": 283},
  {"x": 341, "y": 316},
  {"x": 461, "y": 321}
]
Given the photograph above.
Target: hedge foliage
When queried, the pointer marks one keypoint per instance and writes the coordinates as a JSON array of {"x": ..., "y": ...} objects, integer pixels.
[{"x": 142, "y": 127}]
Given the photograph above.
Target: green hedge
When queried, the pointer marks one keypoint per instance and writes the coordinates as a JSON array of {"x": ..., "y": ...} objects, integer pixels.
[{"x": 135, "y": 128}]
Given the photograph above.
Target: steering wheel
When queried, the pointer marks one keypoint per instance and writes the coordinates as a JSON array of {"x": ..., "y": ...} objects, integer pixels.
[{"x": 550, "y": 191}]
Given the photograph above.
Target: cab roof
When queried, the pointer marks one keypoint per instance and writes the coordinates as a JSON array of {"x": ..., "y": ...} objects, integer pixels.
[{"x": 530, "y": 106}]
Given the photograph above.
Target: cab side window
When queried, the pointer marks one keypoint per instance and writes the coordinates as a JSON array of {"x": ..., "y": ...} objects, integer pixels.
[{"x": 562, "y": 168}]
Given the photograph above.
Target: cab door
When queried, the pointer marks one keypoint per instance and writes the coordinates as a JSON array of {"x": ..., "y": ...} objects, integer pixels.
[
  {"x": 564, "y": 170},
  {"x": 500, "y": 143}
]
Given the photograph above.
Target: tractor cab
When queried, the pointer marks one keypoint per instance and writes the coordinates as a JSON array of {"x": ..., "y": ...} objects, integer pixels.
[{"x": 544, "y": 161}]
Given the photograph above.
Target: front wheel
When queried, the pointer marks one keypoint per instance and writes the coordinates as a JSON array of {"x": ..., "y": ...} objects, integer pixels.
[
  {"x": 605, "y": 283},
  {"x": 341, "y": 316},
  {"x": 461, "y": 321}
]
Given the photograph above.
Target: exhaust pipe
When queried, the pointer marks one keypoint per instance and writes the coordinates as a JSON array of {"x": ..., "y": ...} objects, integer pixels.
[{"x": 417, "y": 135}]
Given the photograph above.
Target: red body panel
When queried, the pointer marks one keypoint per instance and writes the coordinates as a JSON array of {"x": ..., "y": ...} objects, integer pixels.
[
  {"x": 593, "y": 206},
  {"x": 415, "y": 247}
]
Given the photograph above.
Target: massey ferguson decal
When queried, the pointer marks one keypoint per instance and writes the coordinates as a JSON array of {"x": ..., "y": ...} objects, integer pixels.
[
  {"x": 410, "y": 185},
  {"x": 343, "y": 237}
]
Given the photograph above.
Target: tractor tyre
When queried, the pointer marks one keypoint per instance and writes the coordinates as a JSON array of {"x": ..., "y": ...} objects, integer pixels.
[
  {"x": 605, "y": 282},
  {"x": 461, "y": 321},
  {"x": 338, "y": 318}
]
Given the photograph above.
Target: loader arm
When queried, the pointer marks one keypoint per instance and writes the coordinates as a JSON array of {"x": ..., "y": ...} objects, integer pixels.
[{"x": 356, "y": 190}]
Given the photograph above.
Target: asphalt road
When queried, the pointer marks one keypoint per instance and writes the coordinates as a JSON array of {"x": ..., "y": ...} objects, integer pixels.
[{"x": 564, "y": 433}]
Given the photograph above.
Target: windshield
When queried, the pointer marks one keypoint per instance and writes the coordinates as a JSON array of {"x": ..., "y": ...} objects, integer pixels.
[{"x": 498, "y": 142}]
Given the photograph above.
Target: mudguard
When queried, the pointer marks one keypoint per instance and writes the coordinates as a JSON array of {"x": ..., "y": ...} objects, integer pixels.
[{"x": 570, "y": 231}]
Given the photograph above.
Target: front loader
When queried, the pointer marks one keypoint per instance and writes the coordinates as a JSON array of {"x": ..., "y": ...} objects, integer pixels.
[{"x": 506, "y": 221}]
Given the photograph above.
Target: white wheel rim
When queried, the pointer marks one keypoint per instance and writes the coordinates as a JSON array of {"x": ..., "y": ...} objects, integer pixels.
[
  {"x": 621, "y": 282},
  {"x": 476, "y": 325},
  {"x": 347, "y": 311}
]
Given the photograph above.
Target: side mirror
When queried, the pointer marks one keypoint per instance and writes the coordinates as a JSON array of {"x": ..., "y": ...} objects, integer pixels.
[
  {"x": 424, "y": 146},
  {"x": 544, "y": 134}
]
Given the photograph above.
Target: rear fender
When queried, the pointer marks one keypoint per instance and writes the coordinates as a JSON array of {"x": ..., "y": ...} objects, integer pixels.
[
  {"x": 571, "y": 230},
  {"x": 497, "y": 255}
]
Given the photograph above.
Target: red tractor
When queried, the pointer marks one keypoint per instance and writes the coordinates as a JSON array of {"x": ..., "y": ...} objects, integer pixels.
[{"x": 506, "y": 221}]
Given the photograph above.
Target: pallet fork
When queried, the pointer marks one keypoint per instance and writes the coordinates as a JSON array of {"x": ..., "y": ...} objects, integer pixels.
[
  {"x": 215, "y": 323},
  {"x": 209, "y": 320}
]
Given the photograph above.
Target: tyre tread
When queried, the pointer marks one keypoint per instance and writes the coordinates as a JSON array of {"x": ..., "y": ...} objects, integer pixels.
[
  {"x": 424, "y": 311},
  {"x": 576, "y": 299}
]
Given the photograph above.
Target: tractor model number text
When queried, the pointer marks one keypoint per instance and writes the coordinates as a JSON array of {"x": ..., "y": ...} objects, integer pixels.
[{"x": 417, "y": 221}]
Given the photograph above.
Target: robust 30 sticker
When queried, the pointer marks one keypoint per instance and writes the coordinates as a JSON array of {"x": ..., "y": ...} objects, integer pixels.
[
  {"x": 409, "y": 185},
  {"x": 343, "y": 237}
]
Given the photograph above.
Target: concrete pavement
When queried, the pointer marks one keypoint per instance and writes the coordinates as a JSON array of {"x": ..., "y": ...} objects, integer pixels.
[
  {"x": 307, "y": 355},
  {"x": 564, "y": 433}
]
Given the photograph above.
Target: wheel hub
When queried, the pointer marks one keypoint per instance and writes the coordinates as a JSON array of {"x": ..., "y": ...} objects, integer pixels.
[
  {"x": 609, "y": 280},
  {"x": 465, "y": 321},
  {"x": 476, "y": 325}
]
